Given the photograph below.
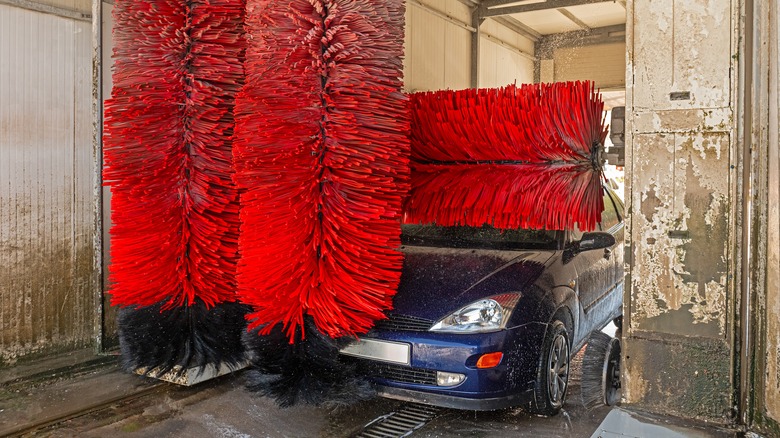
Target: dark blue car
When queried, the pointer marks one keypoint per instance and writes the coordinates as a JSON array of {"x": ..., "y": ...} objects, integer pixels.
[{"x": 487, "y": 319}]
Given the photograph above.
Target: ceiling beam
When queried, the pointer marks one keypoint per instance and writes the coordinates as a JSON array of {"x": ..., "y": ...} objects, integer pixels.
[
  {"x": 494, "y": 8},
  {"x": 470, "y": 3},
  {"x": 565, "y": 12},
  {"x": 518, "y": 27}
]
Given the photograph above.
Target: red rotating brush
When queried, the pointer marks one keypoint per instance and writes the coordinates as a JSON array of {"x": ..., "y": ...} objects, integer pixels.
[
  {"x": 322, "y": 159},
  {"x": 168, "y": 153},
  {"x": 535, "y": 148}
]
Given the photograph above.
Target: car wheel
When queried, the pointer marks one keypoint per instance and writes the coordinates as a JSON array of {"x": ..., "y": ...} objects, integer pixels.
[{"x": 552, "y": 377}]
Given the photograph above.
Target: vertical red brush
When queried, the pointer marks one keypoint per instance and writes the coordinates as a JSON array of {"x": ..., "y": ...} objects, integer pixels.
[
  {"x": 168, "y": 154},
  {"x": 535, "y": 148},
  {"x": 321, "y": 154}
]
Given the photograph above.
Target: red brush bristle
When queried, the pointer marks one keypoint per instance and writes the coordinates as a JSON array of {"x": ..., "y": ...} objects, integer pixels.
[
  {"x": 505, "y": 195},
  {"x": 321, "y": 153},
  {"x": 168, "y": 151},
  {"x": 477, "y": 152}
]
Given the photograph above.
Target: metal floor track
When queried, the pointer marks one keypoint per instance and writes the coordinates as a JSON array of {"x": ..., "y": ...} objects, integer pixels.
[{"x": 399, "y": 424}]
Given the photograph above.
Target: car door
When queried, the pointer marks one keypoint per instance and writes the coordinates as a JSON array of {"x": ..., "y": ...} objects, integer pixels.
[
  {"x": 612, "y": 222},
  {"x": 593, "y": 272},
  {"x": 605, "y": 303},
  {"x": 599, "y": 270}
]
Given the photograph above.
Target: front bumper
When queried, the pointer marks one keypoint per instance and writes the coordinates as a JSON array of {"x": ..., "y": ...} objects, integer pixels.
[
  {"x": 508, "y": 384},
  {"x": 458, "y": 402}
]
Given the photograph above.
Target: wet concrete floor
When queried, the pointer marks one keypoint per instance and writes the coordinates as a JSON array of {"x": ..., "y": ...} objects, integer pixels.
[{"x": 223, "y": 408}]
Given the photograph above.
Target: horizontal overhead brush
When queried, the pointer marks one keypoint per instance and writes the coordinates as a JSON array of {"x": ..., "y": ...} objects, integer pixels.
[{"x": 527, "y": 156}]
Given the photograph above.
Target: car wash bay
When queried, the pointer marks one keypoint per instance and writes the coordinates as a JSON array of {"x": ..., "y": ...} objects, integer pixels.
[{"x": 698, "y": 79}]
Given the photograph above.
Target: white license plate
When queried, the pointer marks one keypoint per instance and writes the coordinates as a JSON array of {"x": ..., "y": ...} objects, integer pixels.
[{"x": 386, "y": 351}]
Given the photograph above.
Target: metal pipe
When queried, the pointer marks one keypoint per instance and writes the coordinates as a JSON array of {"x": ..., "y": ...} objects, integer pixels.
[
  {"x": 508, "y": 46},
  {"x": 476, "y": 42},
  {"x": 48, "y": 9},
  {"x": 746, "y": 305}
]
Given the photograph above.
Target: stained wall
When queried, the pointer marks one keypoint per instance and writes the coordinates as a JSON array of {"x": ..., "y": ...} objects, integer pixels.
[
  {"x": 47, "y": 300},
  {"x": 682, "y": 174}
]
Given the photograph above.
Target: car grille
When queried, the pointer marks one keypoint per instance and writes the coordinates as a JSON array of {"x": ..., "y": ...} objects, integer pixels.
[
  {"x": 398, "y": 373},
  {"x": 403, "y": 323}
]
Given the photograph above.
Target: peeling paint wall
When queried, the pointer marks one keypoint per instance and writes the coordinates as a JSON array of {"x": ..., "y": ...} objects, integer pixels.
[
  {"x": 46, "y": 184},
  {"x": 681, "y": 183},
  {"x": 681, "y": 175}
]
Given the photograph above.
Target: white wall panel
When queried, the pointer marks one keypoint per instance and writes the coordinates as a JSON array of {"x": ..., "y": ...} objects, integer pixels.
[
  {"x": 438, "y": 52},
  {"x": 457, "y": 49},
  {"x": 426, "y": 58},
  {"x": 46, "y": 223}
]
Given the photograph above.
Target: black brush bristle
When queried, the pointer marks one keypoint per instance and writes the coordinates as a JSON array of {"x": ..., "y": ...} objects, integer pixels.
[
  {"x": 596, "y": 389},
  {"x": 159, "y": 341},
  {"x": 306, "y": 372}
]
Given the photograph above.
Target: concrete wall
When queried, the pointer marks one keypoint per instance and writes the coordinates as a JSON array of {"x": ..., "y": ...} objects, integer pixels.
[
  {"x": 604, "y": 64},
  {"x": 438, "y": 51},
  {"x": 682, "y": 173},
  {"x": 47, "y": 299},
  {"x": 598, "y": 55}
]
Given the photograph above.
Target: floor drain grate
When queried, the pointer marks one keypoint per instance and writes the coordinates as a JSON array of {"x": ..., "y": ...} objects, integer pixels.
[{"x": 399, "y": 424}]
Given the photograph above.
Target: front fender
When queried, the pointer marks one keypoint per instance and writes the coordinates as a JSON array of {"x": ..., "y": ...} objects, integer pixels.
[{"x": 539, "y": 305}]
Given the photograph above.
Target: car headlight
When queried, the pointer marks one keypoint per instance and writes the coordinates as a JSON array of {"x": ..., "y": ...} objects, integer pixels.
[{"x": 486, "y": 315}]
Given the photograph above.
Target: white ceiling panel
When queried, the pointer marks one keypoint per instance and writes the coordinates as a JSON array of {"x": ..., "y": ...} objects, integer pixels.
[
  {"x": 600, "y": 14},
  {"x": 546, "y": 22},
  {"x": 551, "y": 21}
]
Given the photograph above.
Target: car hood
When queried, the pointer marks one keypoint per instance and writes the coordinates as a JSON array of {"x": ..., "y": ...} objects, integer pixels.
[{"x": 438, "y": 281}]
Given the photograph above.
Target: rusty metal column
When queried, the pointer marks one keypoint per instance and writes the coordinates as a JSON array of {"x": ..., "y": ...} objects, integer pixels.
[
  {"x": 682, "y": 176},
  {"x": 97, "y": 166},
  {"x": 759, "y": 352}
]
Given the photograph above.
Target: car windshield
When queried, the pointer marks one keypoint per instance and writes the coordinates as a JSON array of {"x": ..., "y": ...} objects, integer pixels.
[{"x": 485, "y": 237}]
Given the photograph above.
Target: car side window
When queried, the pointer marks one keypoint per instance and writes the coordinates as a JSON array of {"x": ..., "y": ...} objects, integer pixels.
[
  {"x": 609, "y": 217},
  {"x": 575, "y": 235}
]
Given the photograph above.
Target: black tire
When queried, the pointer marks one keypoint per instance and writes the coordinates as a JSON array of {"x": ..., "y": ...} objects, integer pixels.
[{"x": 552, "y": 372}]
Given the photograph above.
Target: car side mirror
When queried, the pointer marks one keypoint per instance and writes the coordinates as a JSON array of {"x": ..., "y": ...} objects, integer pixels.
[{"x": 595, "y": 240}]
